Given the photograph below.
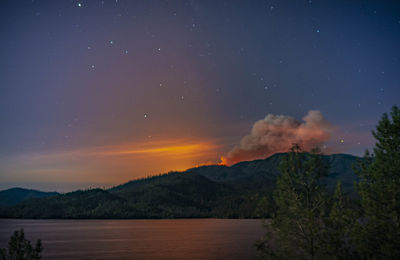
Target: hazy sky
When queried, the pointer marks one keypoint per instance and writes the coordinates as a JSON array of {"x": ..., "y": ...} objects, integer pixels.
[{"x": 96, "y": 93}]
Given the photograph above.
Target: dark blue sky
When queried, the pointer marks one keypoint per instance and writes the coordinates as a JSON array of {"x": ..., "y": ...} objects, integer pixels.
[{"x": 79, "y": 77}]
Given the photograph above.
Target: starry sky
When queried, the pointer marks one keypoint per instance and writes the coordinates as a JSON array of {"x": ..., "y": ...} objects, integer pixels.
[{"x": 96, "y": 93}]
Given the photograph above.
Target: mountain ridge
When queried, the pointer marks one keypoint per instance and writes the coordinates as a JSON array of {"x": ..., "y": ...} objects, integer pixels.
[
  {"x": 15, "y": 195},
  {"x": 235, "y": 191}
]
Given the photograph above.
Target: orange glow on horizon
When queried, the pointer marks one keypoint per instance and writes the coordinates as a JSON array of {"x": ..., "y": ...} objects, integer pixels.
[
  {"x": 117, "y": 163},
  {"x": 182, "y": 149},
  {"x": 156, "y": 148}
]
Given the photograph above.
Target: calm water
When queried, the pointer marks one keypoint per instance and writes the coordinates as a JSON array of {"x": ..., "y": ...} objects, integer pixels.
[{"x": 140, "y": 239}]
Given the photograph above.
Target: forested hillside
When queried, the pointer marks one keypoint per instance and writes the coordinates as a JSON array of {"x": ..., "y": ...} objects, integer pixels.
[{"x": 240, "y": 191}]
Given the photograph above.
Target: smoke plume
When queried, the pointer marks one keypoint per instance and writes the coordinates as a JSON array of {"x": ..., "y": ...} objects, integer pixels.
[{"x": 277, "y": 133}]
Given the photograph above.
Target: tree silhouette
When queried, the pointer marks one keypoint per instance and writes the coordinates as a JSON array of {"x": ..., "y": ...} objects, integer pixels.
[
  {"x": 19, "y": 248},
  {"x": 297, "y": 229},
  {"x": 378, "y": 234},
  {"x": 339, "y": 227}
]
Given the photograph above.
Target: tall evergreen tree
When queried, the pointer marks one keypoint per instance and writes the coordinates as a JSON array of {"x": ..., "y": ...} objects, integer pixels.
[
  {"x": 338, "y": 243},
  {"x": 297, "y": 229},
  {"x": 19, "y": 248},
  {"x": 378, "y": 236}
]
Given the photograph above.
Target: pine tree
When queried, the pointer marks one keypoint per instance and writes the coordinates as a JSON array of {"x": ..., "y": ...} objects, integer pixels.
[
  {"x": 297, "y": 229},
  {"x": 339, "y": 227},
  {"x": 19, "y": 248},
  {"x": 378, "y": 236}
]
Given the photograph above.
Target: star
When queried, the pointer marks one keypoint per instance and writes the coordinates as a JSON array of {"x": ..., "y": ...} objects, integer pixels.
[
  {"x": 79, "y": 5},
  {"x": 145, "y": 116}
]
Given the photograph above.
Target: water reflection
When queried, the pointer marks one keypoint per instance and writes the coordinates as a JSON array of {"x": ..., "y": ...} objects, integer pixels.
[{"x": 140, "y": 239}]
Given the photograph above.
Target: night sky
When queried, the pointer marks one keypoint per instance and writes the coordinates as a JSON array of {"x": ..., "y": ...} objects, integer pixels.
[{"x": 96, "y": 93}]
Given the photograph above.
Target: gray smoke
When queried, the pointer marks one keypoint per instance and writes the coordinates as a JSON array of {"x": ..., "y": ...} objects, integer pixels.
[{"x": 277, "y": 133}]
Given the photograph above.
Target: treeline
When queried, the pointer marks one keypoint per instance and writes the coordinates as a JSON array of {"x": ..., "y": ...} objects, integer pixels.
[
  {"x": 310, "y": 223},
  {"x": 239, "y": 191},
  {"x": 177, "y": 195}
]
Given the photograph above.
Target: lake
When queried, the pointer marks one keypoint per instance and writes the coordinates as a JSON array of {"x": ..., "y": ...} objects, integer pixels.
[{"x": 140, "y": 239}]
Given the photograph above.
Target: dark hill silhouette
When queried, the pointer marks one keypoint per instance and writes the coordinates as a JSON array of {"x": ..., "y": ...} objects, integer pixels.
[
  {"x": 207, "y": 191},
  {"x": 15, "y": 195}
]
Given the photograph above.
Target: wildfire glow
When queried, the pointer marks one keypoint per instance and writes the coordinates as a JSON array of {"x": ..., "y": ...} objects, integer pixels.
[
  {"x": 120, "y": 162},
  {"x": 223, "y": 161},
  {"x": 182, "y": 149}
]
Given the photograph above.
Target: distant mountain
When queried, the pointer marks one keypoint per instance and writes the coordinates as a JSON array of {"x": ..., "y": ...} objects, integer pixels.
[
  {"x": 16, "y": 195},
  {"x": 240, "y": 191}
]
